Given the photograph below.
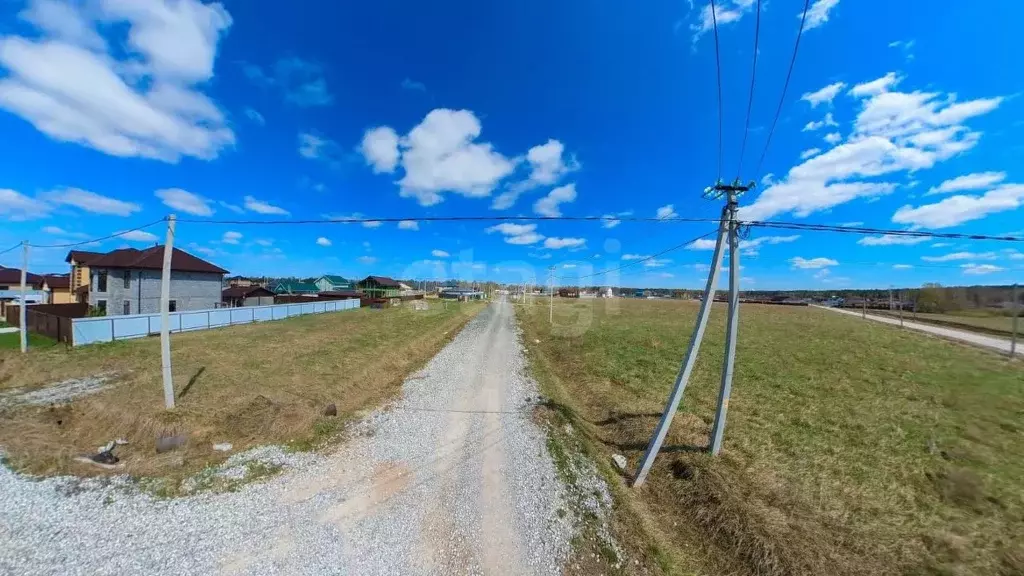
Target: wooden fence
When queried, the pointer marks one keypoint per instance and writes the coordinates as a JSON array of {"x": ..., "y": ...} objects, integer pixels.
[{"x": 53, "y": 320}]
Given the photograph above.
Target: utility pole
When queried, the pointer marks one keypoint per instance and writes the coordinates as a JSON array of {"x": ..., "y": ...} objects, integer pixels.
[
  {"x": 165, "y": 319},
  {"x": 728, "y": 231},
  {"x": 1016, "y": 318},
  {"x": 22, "y": 314},
  {"x": 551, "y": 294}
]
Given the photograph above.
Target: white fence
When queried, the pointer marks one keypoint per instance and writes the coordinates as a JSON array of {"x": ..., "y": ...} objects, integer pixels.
[{"x": 109, "y": 328}]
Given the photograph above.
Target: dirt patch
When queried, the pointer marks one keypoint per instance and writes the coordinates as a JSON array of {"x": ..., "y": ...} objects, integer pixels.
[{"x": 58, "y": 393}]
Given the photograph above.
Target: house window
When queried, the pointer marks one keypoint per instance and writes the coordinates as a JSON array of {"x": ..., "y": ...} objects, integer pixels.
[
  {"x": 127, "y": 278},
  {"x": 101, "y": 305},
  {"x": 102, "y": 282},
  {"x": 172, "y": 305},
  {"x": 127, "y": 307}
]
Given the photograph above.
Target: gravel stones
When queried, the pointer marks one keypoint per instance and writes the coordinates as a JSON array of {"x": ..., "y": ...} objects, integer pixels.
[{"x": 452, "y": 478}]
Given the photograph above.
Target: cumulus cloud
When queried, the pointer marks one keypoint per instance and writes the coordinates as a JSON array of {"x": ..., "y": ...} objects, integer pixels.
[
  {"x": 666, "y": 212},
  {"x": 143, "y": 99},
  {"x": 818, "y": 13},
  {"x": 875, "y": 87},
  {"x": 408, "y": 225},
  {"x": 558, "y": 243},
  {"x": 808, "y": 153},
  {"x": 961, "y": 256},
  {"x": 725, "y": 12},
  {"x": 255, "y": 116},
  {"x": 833, "y": 138},
  {"x": 439, "y": 253},
  {"x": 974, "y": 269},
  {"x": 827, "y": 121},
  {"x": 261, "y": 207},
  {"x": 231, "y": 237},
  {"x": 824, "y": 95},
  {"x": 138, "y": 236},
  {"x": 548, "y": 164},
  {"x": 958, "y": 209},
  {"x": 891, "y": 240},
  {"x": 813, "y": 263},
  {"x": 380, "y": 149},
  {"x": 519, "y": 234},
  {"x": 91, "y": 202},
  {"x": 185, "y": 201},
  {"x": 901, "y": 266},
  {"x": 15, "y": 206},
  {"x": 548, "y": 205},
  {"x": 976, "y": 181},
  {"x": 321, "y": 241}
]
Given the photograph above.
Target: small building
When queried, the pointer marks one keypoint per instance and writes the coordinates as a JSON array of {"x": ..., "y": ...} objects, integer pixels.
[
  {"x": 329, "y": 283},
  {"x": 58, "y": 288},
  {"x": 380, "y": 287},
  {"x": 127, "y": 281},
  {"x": 296, "y": 288},
  {"x": 237, "y": 296},
  {"x": 246, "y": 282},
  {"x": 569, "y": 292},
  {"x": 461, "y": 294},
  {"x": 10, "y": 288}
]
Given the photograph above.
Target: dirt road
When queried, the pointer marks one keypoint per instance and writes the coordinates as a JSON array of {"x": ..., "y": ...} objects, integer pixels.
[{"x": 453, "y": 479}]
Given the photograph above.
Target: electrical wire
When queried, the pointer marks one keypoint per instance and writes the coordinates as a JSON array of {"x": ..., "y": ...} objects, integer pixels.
[
  {"x": 362, "y": 220},
  {"x": 863, "y": 230},
  {"x": 750, "y": 100},
  {"x": 785, "y": 87},
  {"x": 641, "y": 260},
  {"x": 718, "y": 73},
  {"x": 11, "y": 248},
  {"x": 100, "y": 239}
]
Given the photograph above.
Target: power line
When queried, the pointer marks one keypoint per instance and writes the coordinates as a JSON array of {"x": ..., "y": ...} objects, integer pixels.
[
  {"x": 785, "y": 87},
  {"x": 100, "y": 239},
  {"x": 15, "y": 247},
  {"x": 750, "y": 100},
  {"x": 863, "y": 230},
  {"x": 641, "y": 260},
  {"x": 718, "y": 73},
  {"x": 384, "y": 220}
]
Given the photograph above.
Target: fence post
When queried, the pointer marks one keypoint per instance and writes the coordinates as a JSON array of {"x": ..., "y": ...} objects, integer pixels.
[
  {"x": 901, "y": 309},
  {"x": 864, "y": 308},
  {"x": 1016, "y": 318}
]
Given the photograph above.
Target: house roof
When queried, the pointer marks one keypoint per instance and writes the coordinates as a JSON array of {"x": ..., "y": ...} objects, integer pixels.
[
  {"x": 13, "y": 276},
  {"x": 383, "y": 281},
  {"x": 244, "y": 292},
  {"x": 57, "y": 281},
  {"x": 153, "y": 259},
  {"x": 82, "y": 256},
  {"x": 333, "y": 279},
  {"x": 286, "y": 287},
  {"x": 343, "y": 293}
]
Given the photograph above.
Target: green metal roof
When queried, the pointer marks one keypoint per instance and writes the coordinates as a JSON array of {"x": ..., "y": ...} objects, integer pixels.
[
  {"x": 336, "y": 279},
  {"x": 296, "y": 288}
]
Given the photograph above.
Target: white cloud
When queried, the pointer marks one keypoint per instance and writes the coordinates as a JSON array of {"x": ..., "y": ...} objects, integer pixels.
[
  {"x": 633, "y": 256},
  {"x": 701, "y": 244},
  {"x": 231, "y": 237},
  {"x": 657, "y": 263},
  {"x": 961, "y": 256},
  {"x": 666, "y": 212},
  {"x": 901, "y": 266},
  {"x": 264, "y": 242},
  {"x": 520, "y": 234},
  {"x": 976, "y": 181},
  {"x": 15, "y": 206},
  {"x": 768, "y": 179},
  {"x": 808, "y": 153},
  {"x": 53, "y": 230},
  {"x": 143, "y": 99},
  {"x": 548, "y": 164},
  {"x": 139, "y": 236},
  {"x": 318, "y": 148},
  {"x": 981, "y": 268},
  {"x": 751, "y": 247},
  {"x": 380, "y": 149},
  {"x": 558, "y": 243},
  {"x": 1014, "y": 255},
  {"x": 358, "y": 216},
  {"x": 725, "y": 12},
  {"x": 233, "y": 207},
  {"x": 548, "y": 205},
  {"x": 804, "y": 197},
  {"x": 941, "y": 245},
  {"x": 408, "y": 225},
  {"x": 441, "y": 154},
  {"x": 813, "y": 263},
  {"x": 91, "y": 202},
  {"x": 255, "y": 116},
  {"x": 959, "y": 209},
  {"x": 827, "y": 121},
  {"x": 875, "y": 87},
  {"x": 891, "y": 240},
  {"x": 818, "y": 13},
  {"x": 852, "y": 224},
  {"x": 321, "y": 241},
  {"x": 826, "y": 94},
  {"x": 439, "y": 254},
  {"x": 833, "y": 138},
  {"x": 610, "y": 221},
  {"x": 372, "y": 224},
  {"x": 261, "y": 207},
  {"x": 185, "y": 201}
]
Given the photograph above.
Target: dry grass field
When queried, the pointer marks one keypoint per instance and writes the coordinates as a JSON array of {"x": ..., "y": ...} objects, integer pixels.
[
  {"x": 247, "y": 385},
  {"x": 851, "y": 448}
]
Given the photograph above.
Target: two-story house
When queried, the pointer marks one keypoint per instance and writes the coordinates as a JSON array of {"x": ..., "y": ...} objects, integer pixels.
[
  {"x": 79, "y": 261},
  {"x": 127, "y": 281},
  {"x": 331, "y": 283}
]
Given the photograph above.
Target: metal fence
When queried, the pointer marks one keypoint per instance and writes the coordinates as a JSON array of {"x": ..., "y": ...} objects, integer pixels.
[{"x": 109, "y": 328}]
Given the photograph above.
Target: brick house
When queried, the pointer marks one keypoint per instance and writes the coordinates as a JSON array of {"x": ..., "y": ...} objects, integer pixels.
[{"x": 127, "y": 281}]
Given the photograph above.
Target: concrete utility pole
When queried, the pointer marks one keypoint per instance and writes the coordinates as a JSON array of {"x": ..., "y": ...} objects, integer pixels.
[
  {"x": 165, "y": 317},
  {"x": 728, "y": 231},
  {"x": 551, "y": 294},
  {"x": 22, "y": 314}
]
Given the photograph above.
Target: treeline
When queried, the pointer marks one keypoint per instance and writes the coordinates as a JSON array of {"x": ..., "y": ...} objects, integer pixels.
[{"x": 931, "y": 297}]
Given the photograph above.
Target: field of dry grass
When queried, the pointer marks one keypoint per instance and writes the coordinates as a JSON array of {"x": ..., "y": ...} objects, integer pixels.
[
  {"x": 851, "y": 449},
  {"x": 247, "y": 385}
]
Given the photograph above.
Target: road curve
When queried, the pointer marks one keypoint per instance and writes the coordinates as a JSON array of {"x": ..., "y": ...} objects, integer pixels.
[{"x": 972, "y": 338}]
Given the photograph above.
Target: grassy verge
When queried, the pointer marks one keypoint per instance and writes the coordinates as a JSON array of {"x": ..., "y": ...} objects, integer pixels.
[
  {"x": 851, "y": 448},
  {"x": 12, "y": 341},
  {"x": 992, "y": 325},
  {"x": 247, "y": 385}
]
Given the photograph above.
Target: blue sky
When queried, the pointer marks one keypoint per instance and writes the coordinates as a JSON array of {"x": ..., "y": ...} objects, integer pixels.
[{"x": 899, "y": 115}]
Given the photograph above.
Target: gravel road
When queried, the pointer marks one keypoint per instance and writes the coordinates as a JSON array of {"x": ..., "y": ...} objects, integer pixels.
[
  {"x": 452, "y": 479},
  {"x": 990, "y": 342}
]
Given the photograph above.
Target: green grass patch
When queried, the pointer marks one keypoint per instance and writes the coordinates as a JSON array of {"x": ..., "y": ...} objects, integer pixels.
[
  {"x": 851, "y": 447},
  {"x": 12, "y": 341}
]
